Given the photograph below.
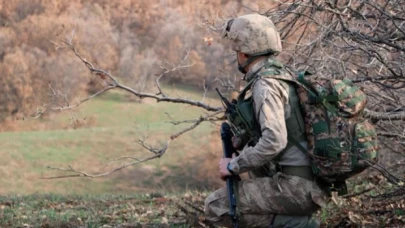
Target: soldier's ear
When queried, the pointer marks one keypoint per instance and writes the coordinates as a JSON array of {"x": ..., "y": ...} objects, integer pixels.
[
  {"x": 233, "y": 95},
  {"x": 242, "y": 56}
]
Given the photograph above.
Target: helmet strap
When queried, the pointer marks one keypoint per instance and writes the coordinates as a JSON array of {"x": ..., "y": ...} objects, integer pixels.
[
  {"x": 252, "y": 58},
  {"x": 241, "y": 67}
]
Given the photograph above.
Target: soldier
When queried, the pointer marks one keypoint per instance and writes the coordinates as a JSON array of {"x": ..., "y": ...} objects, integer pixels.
[{"x": 289, "y": 196}]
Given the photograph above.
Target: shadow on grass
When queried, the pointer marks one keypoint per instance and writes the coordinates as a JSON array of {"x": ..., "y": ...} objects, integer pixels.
[
  {"x": 117, "y": 96},
  {"x": 191, "y": 175}
]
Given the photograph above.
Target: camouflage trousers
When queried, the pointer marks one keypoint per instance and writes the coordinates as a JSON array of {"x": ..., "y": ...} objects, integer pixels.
[{"x": 260, "y": 199}]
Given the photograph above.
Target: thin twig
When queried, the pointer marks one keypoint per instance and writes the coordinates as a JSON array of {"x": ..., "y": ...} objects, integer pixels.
[
  {"x": 359, "y": 193},
  {"x": 113, "y": 83}
]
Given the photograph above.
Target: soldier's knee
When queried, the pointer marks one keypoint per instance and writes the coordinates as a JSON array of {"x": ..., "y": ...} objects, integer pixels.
[
  {"x": 208, "y": 207},
  {"x": 215, "y": 206}
]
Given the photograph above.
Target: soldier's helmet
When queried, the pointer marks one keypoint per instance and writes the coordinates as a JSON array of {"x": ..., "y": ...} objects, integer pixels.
[{"x": 253, "y": 34}]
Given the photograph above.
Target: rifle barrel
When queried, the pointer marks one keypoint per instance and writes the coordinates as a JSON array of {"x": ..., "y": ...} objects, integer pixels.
[{"x": 226, "y": 137}]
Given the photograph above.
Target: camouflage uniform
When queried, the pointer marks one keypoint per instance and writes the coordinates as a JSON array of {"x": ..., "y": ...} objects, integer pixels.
[{"x": 259, "y": 199}]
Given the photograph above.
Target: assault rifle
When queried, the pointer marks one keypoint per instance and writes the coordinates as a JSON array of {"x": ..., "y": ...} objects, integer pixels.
[
  {"x": 230, "y": 112},
  {"x": 229, "y": 107},
  {"x": 226, "y": 136},
  {"x": 239, "y": 125}
]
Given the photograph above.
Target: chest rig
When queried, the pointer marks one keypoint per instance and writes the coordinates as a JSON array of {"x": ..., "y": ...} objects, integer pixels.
[{"x": 243, "y": 120}]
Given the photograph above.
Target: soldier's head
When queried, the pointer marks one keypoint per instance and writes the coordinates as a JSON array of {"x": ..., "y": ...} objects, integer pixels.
[{"x": 253, "y": 36}]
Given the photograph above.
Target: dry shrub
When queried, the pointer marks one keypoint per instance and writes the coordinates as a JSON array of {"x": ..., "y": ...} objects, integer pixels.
[
  {"x": 20, "y": 9},
  {"x": 132, "y": 39},
  {"x": 33, "y": 72},
  {"x": 208, "y": 170},
  {"x": 86, "y": 122},
  {"x": 15, "y": 82},
  {"x": 31, "y": 79}
]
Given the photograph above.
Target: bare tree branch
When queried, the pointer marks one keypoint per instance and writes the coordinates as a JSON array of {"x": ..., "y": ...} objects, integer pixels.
[
  {"x": 383, "y": 115},
  {"x": 157, "y": 152},
  {"x": 178, "y": 67},
  {"x": 79, "y": 173},
  {"x": 359, "y": 193},
  {"x": 391, "y": 134},
  {"x": 211, "y": 117},
  {"x": 362, "y": 40},
  {"x": 112, "y": 83}
]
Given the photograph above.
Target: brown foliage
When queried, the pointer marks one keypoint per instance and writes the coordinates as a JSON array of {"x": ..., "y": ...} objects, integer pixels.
[
  {"x": 32, "y": 73},
  {"x": 132, "y": 39},
  {"x": 362, "y": 40}
]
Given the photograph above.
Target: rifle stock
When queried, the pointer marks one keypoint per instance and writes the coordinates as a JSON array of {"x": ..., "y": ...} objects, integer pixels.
[{"x": 226, "y": 137}]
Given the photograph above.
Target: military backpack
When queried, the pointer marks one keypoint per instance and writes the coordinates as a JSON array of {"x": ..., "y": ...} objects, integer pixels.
[{"x": 341, "y": 142}]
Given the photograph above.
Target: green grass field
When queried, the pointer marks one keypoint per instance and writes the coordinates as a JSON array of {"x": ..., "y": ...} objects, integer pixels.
[
  {"x": 108, "y": 127},
  {"x": 157, "y": 193}
]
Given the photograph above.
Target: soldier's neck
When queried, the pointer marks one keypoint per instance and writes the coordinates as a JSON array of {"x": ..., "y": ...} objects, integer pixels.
[
  {"x": 257, "y": 61},
  {"x": 254, "y": 67}
]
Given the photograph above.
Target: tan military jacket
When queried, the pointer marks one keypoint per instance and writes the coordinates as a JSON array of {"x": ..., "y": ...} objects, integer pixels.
[{"x": 271, "y": 109}]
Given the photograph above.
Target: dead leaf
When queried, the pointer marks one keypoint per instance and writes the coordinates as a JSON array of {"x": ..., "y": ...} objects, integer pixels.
[{"x": 356, "y": 219}]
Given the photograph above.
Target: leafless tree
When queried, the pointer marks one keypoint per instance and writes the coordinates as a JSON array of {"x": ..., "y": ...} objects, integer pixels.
[
  {"x": 109, "y": 82},
  {"x": 361, "y": 40}
]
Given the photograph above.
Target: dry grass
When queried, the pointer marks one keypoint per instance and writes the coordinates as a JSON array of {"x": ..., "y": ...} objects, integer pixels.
[{"x": 143, "y": 210}]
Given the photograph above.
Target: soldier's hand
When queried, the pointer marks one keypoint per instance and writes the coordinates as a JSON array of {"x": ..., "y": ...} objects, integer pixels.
[
  {"x": 223, "y": 167},
  {"x": 237, "y": 142}
]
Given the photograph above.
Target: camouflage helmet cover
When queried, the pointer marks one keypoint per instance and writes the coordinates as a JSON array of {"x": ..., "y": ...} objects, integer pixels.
[{"x": 253, "y": 34}]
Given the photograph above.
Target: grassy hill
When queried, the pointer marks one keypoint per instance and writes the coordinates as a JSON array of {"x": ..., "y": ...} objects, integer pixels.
[
  {"x": 102, "y": 129},
  {"x": 157, "y": 193}
]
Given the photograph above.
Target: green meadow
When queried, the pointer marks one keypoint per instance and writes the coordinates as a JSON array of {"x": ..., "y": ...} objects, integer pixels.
[
  {"x": 165, "y": 192},
  {"x": 90, "y": 137}
]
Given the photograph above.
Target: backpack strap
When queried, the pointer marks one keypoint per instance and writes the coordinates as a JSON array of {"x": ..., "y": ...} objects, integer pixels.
[
  {"x": 295, "y": 124},
  {"x": 245, "y": 111}
]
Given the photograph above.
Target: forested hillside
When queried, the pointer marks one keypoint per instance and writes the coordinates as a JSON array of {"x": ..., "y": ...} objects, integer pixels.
[
  {"x": 131, "y": 39},
  {"x": 55, "y": 53}
]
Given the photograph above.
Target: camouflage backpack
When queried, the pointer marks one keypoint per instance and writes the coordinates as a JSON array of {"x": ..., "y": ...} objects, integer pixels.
[{"x": 341, "y": 142}]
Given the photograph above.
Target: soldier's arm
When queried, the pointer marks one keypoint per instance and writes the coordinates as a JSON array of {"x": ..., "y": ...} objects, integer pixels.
[{"x": 271, "y": 102}]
